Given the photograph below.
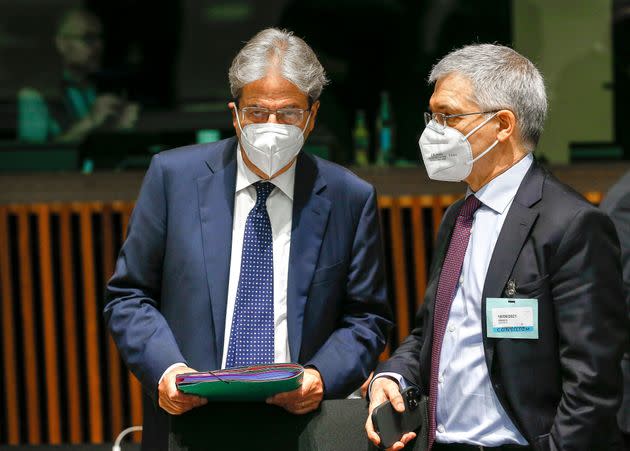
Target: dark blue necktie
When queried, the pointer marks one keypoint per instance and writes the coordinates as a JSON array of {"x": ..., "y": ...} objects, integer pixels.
[{"x": 252, "y": 333}]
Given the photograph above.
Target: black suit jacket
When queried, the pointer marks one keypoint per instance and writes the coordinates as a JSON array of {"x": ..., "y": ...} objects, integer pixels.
[
  {"x": 562, "y": 391},
  {"x": 617, "y": 206}
]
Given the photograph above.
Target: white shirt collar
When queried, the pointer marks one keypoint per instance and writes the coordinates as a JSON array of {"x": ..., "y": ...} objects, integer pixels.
[
  {"x": 500, "y": 191},
  {"x": 245, "y": 177}
]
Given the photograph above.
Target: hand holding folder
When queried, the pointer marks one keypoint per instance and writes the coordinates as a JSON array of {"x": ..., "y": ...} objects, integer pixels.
[{"x": 251, "y": 383}]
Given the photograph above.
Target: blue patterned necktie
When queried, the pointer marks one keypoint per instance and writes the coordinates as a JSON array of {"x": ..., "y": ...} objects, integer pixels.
[{"x": 252, "y": 333}]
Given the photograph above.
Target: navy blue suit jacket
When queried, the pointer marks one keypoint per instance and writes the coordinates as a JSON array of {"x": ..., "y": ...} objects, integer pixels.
[{"x": 166, "y": 301}]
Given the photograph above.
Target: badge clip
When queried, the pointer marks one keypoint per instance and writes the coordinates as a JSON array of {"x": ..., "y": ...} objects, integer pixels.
[{"x": 510, "y": 290}]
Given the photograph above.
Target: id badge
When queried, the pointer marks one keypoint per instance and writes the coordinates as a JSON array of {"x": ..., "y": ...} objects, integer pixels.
[{"x": 512, "y": 318}]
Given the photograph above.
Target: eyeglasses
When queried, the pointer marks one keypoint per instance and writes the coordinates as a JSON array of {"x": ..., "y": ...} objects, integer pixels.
[
  {"x": 257, "y": 115},
  {"x": 440, "y": 118},
  {"x": 87, "y": 38}
]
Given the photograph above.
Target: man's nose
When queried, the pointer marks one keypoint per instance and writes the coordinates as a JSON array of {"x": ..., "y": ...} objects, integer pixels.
[{"x": 272, "y": 118}]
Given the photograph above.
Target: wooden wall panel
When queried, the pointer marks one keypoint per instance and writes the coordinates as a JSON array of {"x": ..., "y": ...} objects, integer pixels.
[
  {"x": 28, "y": 318},
  {"x": 12, "y": 410},
  {"x": 399, "y": 270},
  {"x": 51, "y": 354},
  {"x": 91, "y": 321},
  {"x": 71, "y": 335},
  {"x": 419, "y": 250},
  {"x": 31, "y": 241},
  {"x": 115, "y": 380}
]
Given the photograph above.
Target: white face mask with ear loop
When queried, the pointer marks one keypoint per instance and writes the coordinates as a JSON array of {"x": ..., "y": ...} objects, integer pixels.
[
  {"x": 270, "y": 147},
  {"x": 447, "y": 154}
]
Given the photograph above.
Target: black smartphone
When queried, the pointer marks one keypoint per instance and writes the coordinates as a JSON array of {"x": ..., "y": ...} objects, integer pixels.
[{"x": 391, "y": 425}]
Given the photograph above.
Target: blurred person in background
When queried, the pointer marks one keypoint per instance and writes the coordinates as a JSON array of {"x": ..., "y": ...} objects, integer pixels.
[{"x": 80, "y": 108}]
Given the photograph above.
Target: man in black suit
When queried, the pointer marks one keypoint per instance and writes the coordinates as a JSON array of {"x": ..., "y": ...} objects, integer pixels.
[
  {"x": 518, "y": 342},
  {"x": 617, "y": 205}
]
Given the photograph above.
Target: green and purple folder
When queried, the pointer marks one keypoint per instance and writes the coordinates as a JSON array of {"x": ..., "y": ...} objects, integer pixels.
[{"x": 248, "y": 383}]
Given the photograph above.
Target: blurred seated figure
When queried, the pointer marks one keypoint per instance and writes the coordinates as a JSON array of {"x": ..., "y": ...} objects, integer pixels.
[{"x": 80, "y": 109}]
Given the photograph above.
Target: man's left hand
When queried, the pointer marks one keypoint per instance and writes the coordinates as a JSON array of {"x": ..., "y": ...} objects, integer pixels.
[
  {"x": 128, "y": 116},
  {"x": 304, "y": 399}
]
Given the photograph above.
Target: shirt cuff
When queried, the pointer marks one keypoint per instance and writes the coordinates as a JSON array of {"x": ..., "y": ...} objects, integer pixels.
[
  {"x": 402, "y": 383},
  {"x": 174, "y": 365}
]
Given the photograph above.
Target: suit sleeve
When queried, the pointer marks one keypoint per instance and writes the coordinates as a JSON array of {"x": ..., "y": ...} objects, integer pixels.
[
  {"x": 143, "y": 337},
  {"x": 406, "y": 360},
  {"x": 351, "y": 352},
  {"x": 591, "y": 323}
]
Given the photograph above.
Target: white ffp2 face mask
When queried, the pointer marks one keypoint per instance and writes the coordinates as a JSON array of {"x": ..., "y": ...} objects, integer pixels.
[
  {"x": 269, "y": 146},
  {"x": 447, "y": 154}
]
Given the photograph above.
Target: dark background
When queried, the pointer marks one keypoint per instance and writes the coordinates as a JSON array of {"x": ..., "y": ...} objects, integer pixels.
[
  {"x": 621, "y": 72},
  {"x": 174, "y": 55}
]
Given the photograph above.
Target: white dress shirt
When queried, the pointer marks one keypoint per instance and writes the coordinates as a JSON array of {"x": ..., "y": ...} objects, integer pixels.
[
  {"x": 280, "y": 209},
  {"x": 468, "y": 410}
]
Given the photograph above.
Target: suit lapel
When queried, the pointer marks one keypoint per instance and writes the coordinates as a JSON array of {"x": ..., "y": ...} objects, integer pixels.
[
  {"x": 515, "y": 231},
  {"x": 216, "y": 209},
  {"x": 310, "y": 217}
]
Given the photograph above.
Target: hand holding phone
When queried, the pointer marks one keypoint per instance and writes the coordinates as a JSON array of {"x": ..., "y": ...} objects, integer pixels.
[{"x": 391, "y": 425}]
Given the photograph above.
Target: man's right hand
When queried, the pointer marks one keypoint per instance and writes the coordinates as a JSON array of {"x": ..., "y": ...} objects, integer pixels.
[
  {"x": 171, "y": 399},
  {"x": 104, "y": 107},
  {"x": 384, "y": 389}
]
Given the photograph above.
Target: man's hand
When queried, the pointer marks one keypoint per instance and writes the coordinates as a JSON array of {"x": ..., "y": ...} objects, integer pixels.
[
  {"x": 171, "y": 399},
  {"x": 384, "y": 389},
  {"x": 304, "y": 399},
  {"x": 128, "y": 116},
  {"x": 104, "y": 107},
  {"x": 366, "y": 385}
]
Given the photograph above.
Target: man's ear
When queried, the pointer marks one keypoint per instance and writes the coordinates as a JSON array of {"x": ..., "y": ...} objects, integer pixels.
[
  {"x": 311, "y": 122},
  {"x": 506, "y": 125},
  {"x": 233, "y": 109}
]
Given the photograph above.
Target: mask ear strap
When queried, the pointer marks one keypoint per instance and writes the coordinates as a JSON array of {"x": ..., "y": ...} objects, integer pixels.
[
  {"x": 306, "y": 125},
  {"x": 243, "y": 134},
  {"x": 238, "y": 121},
  {"x": 480, "y": 125},
  {"x": 485, "y": 152}
]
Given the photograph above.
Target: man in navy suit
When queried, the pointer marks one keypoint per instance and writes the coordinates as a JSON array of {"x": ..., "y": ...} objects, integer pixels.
[{"x": 249, "y": 251}]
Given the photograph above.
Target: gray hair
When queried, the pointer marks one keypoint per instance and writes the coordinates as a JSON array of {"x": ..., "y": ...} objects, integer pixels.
[
  {"x": 501, "y": 79},
  {"x": 272, "y": 47},
  {"x": 66, "y": 17}
]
